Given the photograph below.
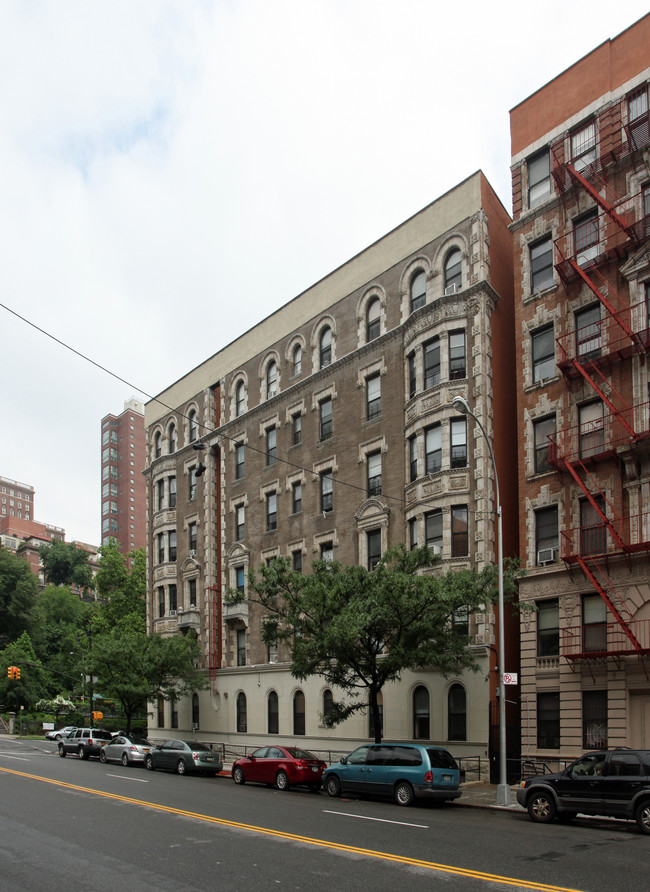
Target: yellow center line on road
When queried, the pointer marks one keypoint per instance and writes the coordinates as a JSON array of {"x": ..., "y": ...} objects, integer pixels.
[{"x": 321, "y": 843}]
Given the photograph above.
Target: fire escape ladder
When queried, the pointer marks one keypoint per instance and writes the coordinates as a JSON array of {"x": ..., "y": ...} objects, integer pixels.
[
  {"x": 581, "y": 271},
  {"x": 572, "y": 468},
  {"x": 618, "y": 218},
  {"x": 610, "y": 596},
  {"x": 617, "y": 413}
]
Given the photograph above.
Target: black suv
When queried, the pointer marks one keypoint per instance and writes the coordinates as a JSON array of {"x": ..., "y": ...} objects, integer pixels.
[
  {"x": 612, "y": 783},
  {"x": 84, "y": 742}
]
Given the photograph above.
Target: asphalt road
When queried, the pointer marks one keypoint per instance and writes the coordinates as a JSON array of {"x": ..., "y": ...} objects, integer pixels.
[{"x": 68, "y": 824}]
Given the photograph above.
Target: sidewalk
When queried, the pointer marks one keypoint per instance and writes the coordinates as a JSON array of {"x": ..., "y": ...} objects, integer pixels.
[{"x": 477, "y": 794}]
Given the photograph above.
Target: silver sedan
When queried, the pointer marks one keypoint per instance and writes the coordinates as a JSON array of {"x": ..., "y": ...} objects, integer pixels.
[{"x": 125, "y": 750}]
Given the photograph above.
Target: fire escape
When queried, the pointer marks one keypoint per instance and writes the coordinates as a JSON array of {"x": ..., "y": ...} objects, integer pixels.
[{"x": 585, "y": 163}]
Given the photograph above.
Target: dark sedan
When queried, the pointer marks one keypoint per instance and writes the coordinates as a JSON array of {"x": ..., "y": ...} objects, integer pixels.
[
  {"x": 283, "y": 766},
  {"x": 183, "y": 756}
]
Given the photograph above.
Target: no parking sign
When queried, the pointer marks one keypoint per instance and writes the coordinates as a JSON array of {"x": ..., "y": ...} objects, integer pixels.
[{"x": 510, "y": 678}]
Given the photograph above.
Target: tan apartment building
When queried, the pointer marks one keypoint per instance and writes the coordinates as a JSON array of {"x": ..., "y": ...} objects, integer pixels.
[
  {"x": 326, "y": 432},
  {"x": 581, "y": 209}
]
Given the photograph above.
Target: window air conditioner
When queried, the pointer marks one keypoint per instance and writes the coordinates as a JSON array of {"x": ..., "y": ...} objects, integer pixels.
[
  {"x": 172, "y": 613},
  {"x": 436, "y": 549},
  {"x": 192, "y": 552},
  {"x": 546, "y": 556},
  {"x": 452, "y": 289},
  {"x": 195, "y": 726}
]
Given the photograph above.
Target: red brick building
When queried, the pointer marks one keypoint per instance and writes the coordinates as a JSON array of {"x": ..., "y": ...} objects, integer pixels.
[{"x": 123, "y": 488}]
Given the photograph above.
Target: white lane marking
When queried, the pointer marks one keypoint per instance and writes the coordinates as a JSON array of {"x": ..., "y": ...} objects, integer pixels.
[
  {"x": 138, "y": 780},
  {"x": 345, "y": 814},
  {"x": 19, "y": 758}
]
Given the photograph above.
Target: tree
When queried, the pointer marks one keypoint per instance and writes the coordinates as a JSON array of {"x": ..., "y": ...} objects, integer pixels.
[
  {"x": 66, "y": 564},
  {"x": 31, "y": 685},
  {"x": 359, "y": 629},
  {"x": 18, "y": 590},
  {"x": 121, "y": 587},
  {"x": 59, "y": 635}
]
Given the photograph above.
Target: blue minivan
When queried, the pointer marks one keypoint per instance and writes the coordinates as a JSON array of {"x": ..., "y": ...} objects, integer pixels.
[{"x": 405, "y": 771}]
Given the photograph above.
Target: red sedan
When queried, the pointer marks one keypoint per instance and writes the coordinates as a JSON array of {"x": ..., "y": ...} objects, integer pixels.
[{"x": 283, "y": 766}]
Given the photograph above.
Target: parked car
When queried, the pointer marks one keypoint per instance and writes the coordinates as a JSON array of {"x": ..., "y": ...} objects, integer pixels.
[
  {"x": 284, "y": 766},
  {"x": 612, "y": 783},
  {"x": 61, "y": 733},
  {"x": 84, "y": 742},
  {"x": 125, "y": 749},
  {"x": 182, "y": 756},
  {"x": 404, "y": 771}
]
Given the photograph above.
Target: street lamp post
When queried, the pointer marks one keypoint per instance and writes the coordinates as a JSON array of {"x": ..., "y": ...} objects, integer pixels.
[{"x": 503, "y": 788}]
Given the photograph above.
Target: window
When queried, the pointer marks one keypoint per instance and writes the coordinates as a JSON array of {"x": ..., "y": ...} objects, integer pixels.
[
  {"x": 160, "y": 490},
  {"x": 192, "y": 535},
  {"x": 172, "y": 545},
  {"x": 546, "y": 535},
  {"x": 271, "y": 446},
  {"x": 543, "y": 354},
  {"x": 296, "y": 561},
  {"x": 457, "y": 713},
  {"x": 433, "y": 531},
  {"x": 241, "y": 712},
  {"x": 413, "y": 533},
  {"x": 173, "y": 604},
  {"x": 325, "y": 416},
  {"x": 418, "y": 291},
  {"x": 161, "y": 548},
  {"x": 296, "y": 428},
  {"x": 272, "y": 652},
  {"x": 637, "y": 116},
  {"x": 594, "y": 720},
  {"x": 328, "y": 703},
  {"x": 296, "y": 497},
  {"x": 296, "y": 360},
  {"x": 161, "y": 712},
  {"x": 412, "y": 375},
  {"x": 240, "y": 522},
  {"x": 157, "y": 449},
  {"x": 459, "y": 531},
  {"x": 373, "y": 540},
  {"x": 240, "y": 579},
  {"x": 458, "y": 443},
  {"x": 541, "y": 265},
  {"x": 460, "y": 622},
  {"x": 326, "y": 551},
  {"x": 174, "y": 711},
  {"x": 271, "y": 511},
  {"x": 588, "y": 332},
  {"x": 456, "y": 355},
  {"x": 585, "y": 235},
  {"x": 325, "y": 347},
  {"x": 373, "y": 319},
  {"x": 432, "y": 363},
  {"x": 539, "y": 177},
  {"x": 548, "y": 720},
  {"x": 299, "y": 713},
  {"x": 413, "y": 458},
  {"x": 594, "y": 624},
  {"x": 432, "y": 449},
  {"x": 271, "y": 379},
  {"x": 548, "y": 628},
  {"x": 193, "y": 426},
  {"x": 241, "y": 647},
  {"x": 240, "y": 459},
  {"x": 453, "y": 277},
  {"x": 326, "y": 492},
  {"x": 240, "y": 398},
  {"x": 373, "y": 397},
  {"x": 172, "y": 492},
  {"x": 161, "y": 601},
  {"x": 543, "y": 428},
  {"x": 192, "y": 481},
  {"x": 195, "y": 710},
  {"x": 173, "y": 439},
  {"x": 272, "y": 712},
  {"x": 592, "y": 432},
  {"x": 583, "y": 146},
  {"x": 374, "y": 473},
  {"x": 191, "y": 592},
  {"x": 420, "y": 713}
]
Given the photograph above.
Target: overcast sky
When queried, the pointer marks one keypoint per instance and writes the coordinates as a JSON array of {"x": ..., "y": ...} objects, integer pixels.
[{"x": 172, "y": 172}]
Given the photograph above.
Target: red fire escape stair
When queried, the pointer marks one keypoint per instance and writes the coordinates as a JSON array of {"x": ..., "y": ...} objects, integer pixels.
[{"x": 610, "y": 596}]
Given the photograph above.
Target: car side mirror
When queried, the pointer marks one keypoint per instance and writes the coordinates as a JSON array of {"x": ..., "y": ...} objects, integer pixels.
[{"x": 344, "y": 760}]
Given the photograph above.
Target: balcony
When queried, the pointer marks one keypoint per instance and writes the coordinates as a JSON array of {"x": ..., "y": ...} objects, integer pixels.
[
  {"x": 601, "y": 641},
  {"x": 236, "y": 612},
  {"x": 600, "y": 540},
  {"x": 189, "y": 619}
]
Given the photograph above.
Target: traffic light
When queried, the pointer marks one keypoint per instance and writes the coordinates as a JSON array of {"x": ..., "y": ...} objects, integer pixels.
[
  {"x": 16, "y": 672},
  {"x": 13, "y": 672}
]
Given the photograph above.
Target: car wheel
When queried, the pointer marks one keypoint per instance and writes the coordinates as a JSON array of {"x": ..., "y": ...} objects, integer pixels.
[
  {"x": 541, "y": 808},
  {"x": 238, "y": 775},
  {"x": 82, "y": 753},
  {"x": 62, "y": 752},
  {"x": 180, "y": 767},
  {"x": 58, "y": 737},
  {"x": 642, "y": 816},
  {"x": 125, "y": 760},
  {"x": 282, "y": 780},
  {"x": 102, "y": 756},
  {"x": 148, "y": 763},
  {"x": 333, "y": 786},
  {"x": 403, "y": 793}
]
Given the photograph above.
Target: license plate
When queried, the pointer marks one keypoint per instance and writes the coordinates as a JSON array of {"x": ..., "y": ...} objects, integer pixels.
[
  {"x": 446, "y": 777},
  {"x": 209, "y": 758},
  {"x": 314, "y": 769}
]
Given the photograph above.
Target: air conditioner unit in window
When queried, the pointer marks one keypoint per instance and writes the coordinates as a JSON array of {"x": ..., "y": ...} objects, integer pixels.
[
  {"x": 436, "y": 549},
  {"x": 195, "y": 726},
  {"x": 172, "y": 613},
  {"x": 546, "y": 556},
  {"x": 192, "y": 552},
  {"x": 452, "y": 289}
]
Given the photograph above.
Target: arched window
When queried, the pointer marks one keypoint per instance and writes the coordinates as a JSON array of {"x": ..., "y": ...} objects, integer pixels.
[
  {"x": 418, "y": 290},
  {"x": 195, "y": 712},
  {"x": 373, "y": 319},
  {"x": 161, "y": 712},
  {"x": 241, "y": 712},
  {"x": 272, "y": 713},
  {"x": 457, "y": 713},
  {"x": 157, "y": 447},
  {"x": 271, "y": 379},
  {"x": 421, "y": 713},
  {"x": 173, "y": 445},
  {"x": 193, "y": 426},
  {"x": 326, "y": 347},
  {"x": 297, "y": 360},
  {"x": 299, "y": 713},
  {"x": 240, "y": 398},
  {"x": 328, "y": 703},
  {"x": 452, "y": 270}
]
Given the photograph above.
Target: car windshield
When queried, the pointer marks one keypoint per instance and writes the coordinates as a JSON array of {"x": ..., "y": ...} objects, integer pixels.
[
  {"x": 441, "y": 759},
  {"x": 139, "y": 741},
  {"x": 199, "y": 746},
  {"x": 297, "y": 753},
  {"x": 102, "y": 735}
]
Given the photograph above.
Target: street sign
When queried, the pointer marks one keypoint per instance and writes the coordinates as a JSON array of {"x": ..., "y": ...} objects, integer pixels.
[{"x": 510, "y": 678}]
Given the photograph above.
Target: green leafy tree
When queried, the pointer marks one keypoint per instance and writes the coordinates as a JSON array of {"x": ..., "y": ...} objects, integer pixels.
[
  {"x": 66, "y": 564},
  {"x": 18, "y": 591},
  {"x": 360, "y": 629},
  {"x": 60, "y": 636},
  {"x": 121, "y": 584},
  {"x": 32, "y": 684}
]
